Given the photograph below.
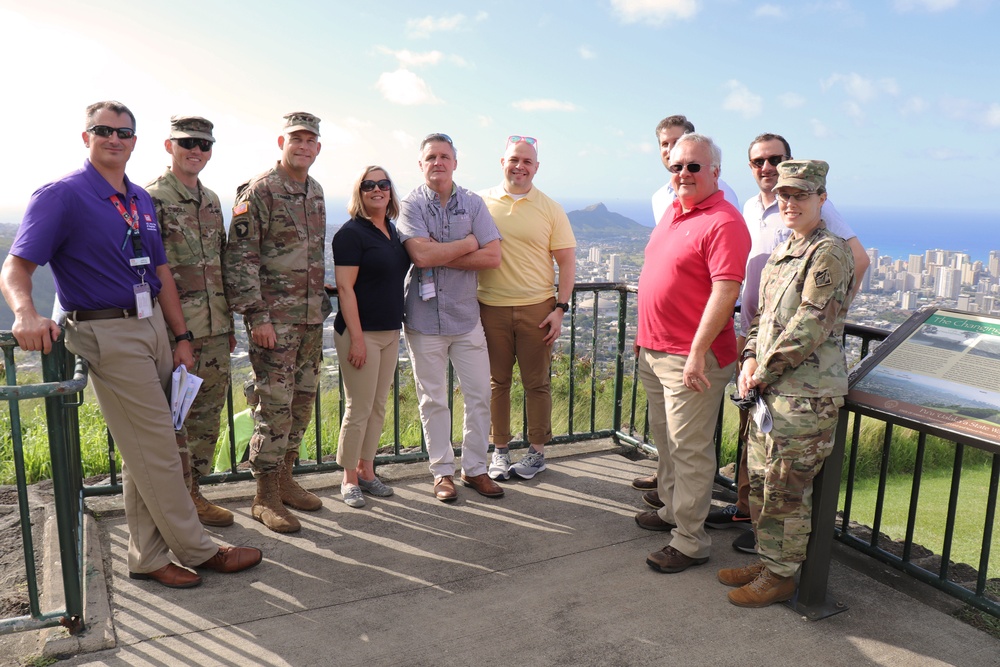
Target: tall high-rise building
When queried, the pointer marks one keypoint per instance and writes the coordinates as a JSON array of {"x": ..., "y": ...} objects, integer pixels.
[
  {"x": 866, "y": 281},
  {"x": 949, "y": 283},
  {"x": 909, "y": 301},
  {"x": 594, "y": 255},
  {"x": 614, "y": 268},
  {"x": 994, "y": 263},
  {"x": 915, "y": 264}
]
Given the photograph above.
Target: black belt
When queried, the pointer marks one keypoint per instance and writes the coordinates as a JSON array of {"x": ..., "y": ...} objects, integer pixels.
[{"x": 105, "y": 314}]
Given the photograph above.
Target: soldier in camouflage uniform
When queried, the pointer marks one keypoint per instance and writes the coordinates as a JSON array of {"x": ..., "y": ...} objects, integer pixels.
[
  {"x": 274, "y": 278},
  {"x": 190, "y": 217},
  {"x": 794, "y": 356}
]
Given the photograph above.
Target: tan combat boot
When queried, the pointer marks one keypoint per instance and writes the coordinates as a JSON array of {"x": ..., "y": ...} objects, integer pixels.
[
  {"x": 267, "y": 507},
  {"x": 209, "y": 514},
  {"x": 292, "y": 494},
  {"x": 766, "y": 589},
  {"x": 740, "y": 576}
]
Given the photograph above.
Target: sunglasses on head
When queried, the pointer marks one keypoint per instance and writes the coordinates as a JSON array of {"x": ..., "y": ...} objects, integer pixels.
[
  {"x": 107, "y": 131},
  {"x": 774, "y": 161},
  {"x": 188, "y": 143},
  {"x": 692, "y": 167},
  {"x": 368, "y": 186},
  {"x": 515, "y": 138}
]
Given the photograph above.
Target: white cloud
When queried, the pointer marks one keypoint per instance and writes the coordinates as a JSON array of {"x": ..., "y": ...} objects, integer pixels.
[
  {"x": 859, "y": 87},
  {"x": 791, "y": 100},
  {"x": 357, "y": 123},
  {"x": 543, "y": 105},
  {"x": 404, "y": 139},
  {"x": 769, "y": 12},
  {"x": 992, "y": 116},
  {"x": 409, "y": 58},
  {"x": 946, "y": 153},
  {"x": 430, "y": 24},
  {"x": 405, "y": 87},
  {"x": 644, "y": 147},
  {"x": 485, "y": 121},
  {"x": 914, "y": 105},
  {"x": 586, "y": 53},
  {"x": 819, "y": 129},
  {"x": 741, "y": 100},
  {"x": 853, "y": 110},
  {"x": 654, "y": 12},
  {"x": 924, "y": 5}
]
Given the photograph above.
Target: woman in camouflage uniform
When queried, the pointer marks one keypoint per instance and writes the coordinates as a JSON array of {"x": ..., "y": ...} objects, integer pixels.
[{"x": 794, "y": 357}]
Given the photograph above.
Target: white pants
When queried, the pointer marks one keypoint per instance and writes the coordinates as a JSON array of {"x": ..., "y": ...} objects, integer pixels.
[{"x": 429, "y": 355}]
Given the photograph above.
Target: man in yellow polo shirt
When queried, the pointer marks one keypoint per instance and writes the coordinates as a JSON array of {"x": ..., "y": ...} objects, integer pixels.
[{"x": 521, "y": 314}]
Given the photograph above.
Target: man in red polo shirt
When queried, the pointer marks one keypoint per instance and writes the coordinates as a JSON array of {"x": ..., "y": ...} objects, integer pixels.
[{"x": 694, "y": 265}]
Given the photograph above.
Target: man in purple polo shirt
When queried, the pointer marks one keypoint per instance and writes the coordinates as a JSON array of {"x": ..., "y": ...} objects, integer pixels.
[{"x": 100, "y": 233}]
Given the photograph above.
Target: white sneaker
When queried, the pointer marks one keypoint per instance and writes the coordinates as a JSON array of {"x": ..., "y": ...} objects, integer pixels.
[
  {"x": 529, "y": 466},
  {"x": 499, "y": 466},
  {"x": 352, "y": 495}
]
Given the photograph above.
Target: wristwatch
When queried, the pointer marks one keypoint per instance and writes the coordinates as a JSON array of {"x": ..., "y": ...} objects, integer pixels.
[
  {"x": 564, "y": 306},
  {"x": 187, "y": 335},
  {"x": 747, "y": 354}
]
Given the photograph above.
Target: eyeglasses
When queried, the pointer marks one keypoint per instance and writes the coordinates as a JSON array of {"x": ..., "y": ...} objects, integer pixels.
[
  {"x": 774, "y": 161},
  {"x": 692, "y": 167},
  {"x": 515, "y": 138},
  {"x": 798, "y": 196},
  {"x": 107, "y": 131},
  {"x": 384, "y": 185},
  {"x": 188, "y": 143}
]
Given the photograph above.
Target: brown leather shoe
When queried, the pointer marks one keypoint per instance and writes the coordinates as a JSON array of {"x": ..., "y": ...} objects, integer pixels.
[
  {"x": 483, "y": 485},
  {"x": 740, "y": 576},
  {"x": 669, "y": 560},
  {"x": 444, "y": 489},
  {"x": 644, "y": 483},
  {"x": 233, "y": 559},
  {"x": 652, "y": 498},
  {"x": 650, "y": 520},
  {"x": 765, "y": 590},
  {"x": 170, "y": 575}
]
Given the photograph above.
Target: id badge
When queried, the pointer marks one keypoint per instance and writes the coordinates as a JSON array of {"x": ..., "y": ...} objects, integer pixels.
[{"x": 143, "y": 300}]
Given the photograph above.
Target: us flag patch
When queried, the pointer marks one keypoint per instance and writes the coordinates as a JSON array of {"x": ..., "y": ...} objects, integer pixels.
[{"x": 240, "y": 208}]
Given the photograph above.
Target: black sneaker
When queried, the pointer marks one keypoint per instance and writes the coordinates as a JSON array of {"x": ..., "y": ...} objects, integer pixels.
[
  {"x": 727, "y": 517},
  {"x": 746, "y": 542}
]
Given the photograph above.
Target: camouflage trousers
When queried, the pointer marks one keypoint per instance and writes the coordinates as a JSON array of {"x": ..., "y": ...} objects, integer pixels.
[
  {"x": 287, "y": 378},
  {"x": 201, "y": 428},
  {"x": 782, "y": 465}
]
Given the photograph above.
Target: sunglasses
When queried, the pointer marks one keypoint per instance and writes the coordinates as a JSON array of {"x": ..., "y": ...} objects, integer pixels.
[
  {"x": 515, "y": 138},
  {"x": 437, "y": 136},
  {"x": 107, "y": 131},
  {"x": 774, "y": 161},
  {"x": 798, "y": 196},
  {"x": 188, "y": 143},
  {"x": 692, "y": 167},
  {"x": 384, "y": 185}
]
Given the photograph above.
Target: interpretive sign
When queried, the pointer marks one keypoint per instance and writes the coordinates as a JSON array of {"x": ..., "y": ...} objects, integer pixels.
[{"x": 939, "y": 369}]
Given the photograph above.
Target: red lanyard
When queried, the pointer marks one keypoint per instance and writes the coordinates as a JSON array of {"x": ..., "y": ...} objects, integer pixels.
[{"x": 131, "y": 220}]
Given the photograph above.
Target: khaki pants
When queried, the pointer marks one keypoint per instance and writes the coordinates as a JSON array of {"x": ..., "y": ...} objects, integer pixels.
[{"x": 130, "y": 366}]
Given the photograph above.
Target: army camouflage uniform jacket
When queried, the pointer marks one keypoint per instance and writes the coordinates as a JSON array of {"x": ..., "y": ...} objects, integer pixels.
[
  {"x": 798, "y": 338},
  {"x": 195, "y": 243},
  {"x": 275, "y": 257}
]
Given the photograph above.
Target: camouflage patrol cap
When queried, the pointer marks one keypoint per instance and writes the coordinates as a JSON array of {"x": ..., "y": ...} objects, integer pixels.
[
  {"x": 300, "y": 120},
  {"x": 193, "y": 127},
  {"x": 808, "y": 175}
]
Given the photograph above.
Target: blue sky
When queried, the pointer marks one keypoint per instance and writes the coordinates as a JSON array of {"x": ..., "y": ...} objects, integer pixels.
[{"x": 901, "y": 97}]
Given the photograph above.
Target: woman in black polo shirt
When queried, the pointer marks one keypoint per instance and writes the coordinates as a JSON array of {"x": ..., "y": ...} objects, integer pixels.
[{"x": 370, "y": 265}]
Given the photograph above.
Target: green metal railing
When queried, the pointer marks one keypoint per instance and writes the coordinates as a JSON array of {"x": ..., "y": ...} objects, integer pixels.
[
  {"x": 593, "y": 397},
  {"x": 62, "y": 397}
]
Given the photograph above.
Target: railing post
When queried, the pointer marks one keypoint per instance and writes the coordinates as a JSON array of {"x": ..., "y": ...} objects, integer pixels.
[
  {"x": 811, "y": 597},
  {"x": 616, "y": 420},
  {"x": 66, "y": 483}
]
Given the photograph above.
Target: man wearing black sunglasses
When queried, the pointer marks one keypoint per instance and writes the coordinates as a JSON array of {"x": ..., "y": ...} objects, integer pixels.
[
  {"x": 767, "y": 232},
  {"x": 274, "y": 271},
  {"x": 99, "y": 232},
  {"x": 668, "y": 131},
  {"x": 686, "y": 346},
  {"x": 194, "y": 238}
]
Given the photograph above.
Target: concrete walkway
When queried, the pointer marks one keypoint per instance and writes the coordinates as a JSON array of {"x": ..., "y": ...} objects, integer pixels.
[{"x": 552, "y": 574}]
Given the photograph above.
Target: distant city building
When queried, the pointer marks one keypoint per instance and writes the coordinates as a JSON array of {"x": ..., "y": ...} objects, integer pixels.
[
  {"x": 949, "y": 283},
  {"x": 614, "y": 268},
  {"x": 994, "y": 263},
  {"x": 915, "y": 264},
  {"x": 594, "y": 256},
  {"x": 965, "y": 303},
  {"x": 866, "y": 282},
  {"x": 909, "y": 301}
]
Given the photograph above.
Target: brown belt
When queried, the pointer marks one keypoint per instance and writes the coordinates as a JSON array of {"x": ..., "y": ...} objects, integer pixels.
[{"x": 105, "y": 314}]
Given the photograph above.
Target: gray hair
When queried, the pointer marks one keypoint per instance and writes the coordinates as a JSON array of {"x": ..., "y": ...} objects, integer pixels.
[{"x": 705, "y": 140}]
